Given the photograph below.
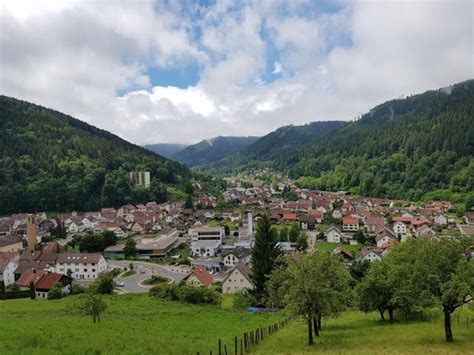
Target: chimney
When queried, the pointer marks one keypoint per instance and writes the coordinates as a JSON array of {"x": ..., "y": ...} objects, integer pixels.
[{"x": 31, "y": 233}]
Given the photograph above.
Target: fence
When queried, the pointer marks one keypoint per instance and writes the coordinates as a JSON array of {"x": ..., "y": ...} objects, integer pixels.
[{"x": 242, "y": 344}]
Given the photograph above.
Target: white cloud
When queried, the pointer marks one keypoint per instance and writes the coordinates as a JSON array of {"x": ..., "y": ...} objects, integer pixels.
[
  {"x": 90, "y": 60},
  {"x": 277, "y": 68}
]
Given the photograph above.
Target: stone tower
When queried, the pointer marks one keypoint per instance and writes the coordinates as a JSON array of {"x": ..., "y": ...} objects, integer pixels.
[{"x": 31, "y": 233}]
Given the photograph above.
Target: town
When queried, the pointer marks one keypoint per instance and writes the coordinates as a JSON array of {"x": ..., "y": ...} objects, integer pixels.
[{"x": 208, "y": 239}]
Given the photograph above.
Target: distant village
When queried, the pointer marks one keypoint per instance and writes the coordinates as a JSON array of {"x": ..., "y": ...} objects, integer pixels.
[{"x": 215, "y": 234}]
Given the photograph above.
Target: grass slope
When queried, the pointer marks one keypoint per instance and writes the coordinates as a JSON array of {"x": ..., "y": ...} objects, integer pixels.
[
  {"x": 132, "y": 324},
  {"x": 357, "y": 333}
]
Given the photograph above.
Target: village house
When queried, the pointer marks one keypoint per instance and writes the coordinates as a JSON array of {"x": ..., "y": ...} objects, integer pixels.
[
  {"x": 371, "y": 254},
  {"x": 384, "y": 236},
  {"x": 8, "y": 264},
  {"x": 374, "y": 224},
  {"x": 400, "y": 229},
  {"x": 230, "y": 258},
  {"x": 49, "y": 281},
  {"x": 350, "y": 224},
  {"x": 11, "y": 243},
  {"x": 199, "y": 276},
  {"x": 238, "y": 280},
  {"x": 307, "y": 222},
  {"x": 333, "y": 235},
  {"x": 85, "y": 266}
]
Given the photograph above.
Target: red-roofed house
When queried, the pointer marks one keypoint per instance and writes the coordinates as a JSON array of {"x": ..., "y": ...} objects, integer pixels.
[
  {"x": 49, "y": 281},
  {"x": 29, "y": 276},
  {"x": 290, "y": 217},
  {"x": 199, "y": 276},
  {"x": 350, "y": 224}
]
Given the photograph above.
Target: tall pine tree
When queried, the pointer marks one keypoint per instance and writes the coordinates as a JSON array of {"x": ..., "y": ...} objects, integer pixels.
[{"x": 264, "y": 254}]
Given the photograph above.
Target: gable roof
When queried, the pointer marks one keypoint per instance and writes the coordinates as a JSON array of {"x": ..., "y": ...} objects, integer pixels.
[
  {"x": 48, "y": 281},
  {"x": 201, "y": 273},
  {"x": 30, "y": 275},
  {"x": 243, "y": 269}
]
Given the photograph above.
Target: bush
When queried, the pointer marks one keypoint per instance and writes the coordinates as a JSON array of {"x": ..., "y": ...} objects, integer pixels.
[
  {"x": 187, "y": 294},
  {"x": 155, "y": 280},
  {"x": 104, "y": 284},
  {"x": 243, "y": 300},
  {"x": 56, "y": 292},
  {"x": 77, "y": 289}
]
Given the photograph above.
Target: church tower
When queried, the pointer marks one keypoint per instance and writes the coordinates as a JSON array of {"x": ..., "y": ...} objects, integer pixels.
[{"x": 31, "y": 233}]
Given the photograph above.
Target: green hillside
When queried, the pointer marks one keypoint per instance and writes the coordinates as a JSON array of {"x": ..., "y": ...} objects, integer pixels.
[
  {"x": 418, "y": 147},
  {"x": 51, "y": 161},
  {"x": 403, "y": 148},
  {"x": 278, "y": 147},
  {"x": 165, "y": 149},
  {"x": 132, "y": 324},
  {"x": 211, "y": 150}
]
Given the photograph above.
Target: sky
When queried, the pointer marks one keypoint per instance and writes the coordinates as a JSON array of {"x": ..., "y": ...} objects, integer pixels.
[{"x": 182, "y": 71}]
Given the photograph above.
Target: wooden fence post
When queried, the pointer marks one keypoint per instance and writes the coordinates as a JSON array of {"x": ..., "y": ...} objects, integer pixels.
[{"x": 219, "y": 347}]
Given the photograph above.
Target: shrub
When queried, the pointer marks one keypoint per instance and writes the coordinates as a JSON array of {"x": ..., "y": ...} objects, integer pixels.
[
  {"x": 155, "y": 280},
  {"x": 77, "y": 289},
  {"x": 56, "y": 292},
  {"x": 104, "y": 284},
  {"x": 243, "y": 300},
  {"x": 187, "y": 294}
]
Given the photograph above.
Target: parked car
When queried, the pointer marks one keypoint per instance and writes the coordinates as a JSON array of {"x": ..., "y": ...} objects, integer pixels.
[{"x": 119, "y": 283}]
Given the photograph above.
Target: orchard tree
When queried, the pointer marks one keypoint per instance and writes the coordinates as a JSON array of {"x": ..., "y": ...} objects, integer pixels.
[
  {"x": 294, "y": 232},
  {"x": 313, "y": 287}
]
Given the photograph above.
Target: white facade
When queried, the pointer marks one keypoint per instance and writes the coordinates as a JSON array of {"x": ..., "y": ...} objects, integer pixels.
[
  {"x": 400, "y": 229},
  {"x": 8, "y": 276},
  {"x": 236, "y": 282},
  {"x": 382, "y": 241},
  {"x": 333, "y": 235},
  {"x": 205, "y": 248},
  {"x": 80, "y": 267},
  {"x": 371, "y": 257}
]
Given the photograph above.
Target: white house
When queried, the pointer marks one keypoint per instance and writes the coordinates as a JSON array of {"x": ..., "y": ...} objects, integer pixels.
[
  {"x": 82, "y": 266},
  {"x": 384, "y": 236},
  {"x": 400, "y": 230},
  {"x": 205, "y": 248},
  {"x": 238, "y": 280},
  {"x": 336, "y": 214},
  {"x": 233, "y": 257},
  {"x": 440, "y": 219},
  {"x": 8, "y": 265},
  {"x": 333, "y": 235},
  {"x": 371, "y": 254}
]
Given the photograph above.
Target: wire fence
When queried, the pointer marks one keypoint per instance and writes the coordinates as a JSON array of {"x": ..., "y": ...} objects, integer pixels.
[{"x": 241, "y": 344}]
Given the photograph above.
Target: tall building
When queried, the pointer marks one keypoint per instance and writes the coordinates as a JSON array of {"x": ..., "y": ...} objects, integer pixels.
[
  {"x": 140, "y": 178},
  {"x": 31, "y": 232},
  {"x": 249, "y": 223}
]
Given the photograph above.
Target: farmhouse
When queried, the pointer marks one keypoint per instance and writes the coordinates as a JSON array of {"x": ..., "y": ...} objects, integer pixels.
[
  {"x": 49, "y": 281},
  {"x": 333, "y": 235},
  {"x": 199, "y": 276},
  {"x": 238, "y": 280},
  {"x": 235, "y": 256}
]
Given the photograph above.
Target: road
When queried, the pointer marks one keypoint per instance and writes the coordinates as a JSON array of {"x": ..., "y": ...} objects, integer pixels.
[{"x": 133, "y": 284}]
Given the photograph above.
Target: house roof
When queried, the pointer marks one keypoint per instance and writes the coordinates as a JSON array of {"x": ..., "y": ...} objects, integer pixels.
[
  {"x": 9, "y": 240},
  {"x": 350, "y": 220},
  {"x": 48, "y": 281},
  {"x": 30, "y": 275},
  {"x": 202, "y": 274},
  {"x": 238, "y": 252},
  {"x": 84, "y": 258},
  {"x": 243, "y": 269}
]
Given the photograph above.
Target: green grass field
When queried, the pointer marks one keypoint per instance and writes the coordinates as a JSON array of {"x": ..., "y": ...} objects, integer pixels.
[
  {"x": 324, "y": 246},
  {"x": 358, "y": 333},
  {"x": 132, "y": 324}
]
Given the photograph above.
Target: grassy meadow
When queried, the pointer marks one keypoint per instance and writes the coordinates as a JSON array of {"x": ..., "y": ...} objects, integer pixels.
[
  {"x": 132, "y": 324},
  {"x": 357, "y": 333}
]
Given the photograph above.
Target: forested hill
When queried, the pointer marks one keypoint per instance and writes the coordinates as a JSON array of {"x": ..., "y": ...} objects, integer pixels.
[
  {"x": 165, "y": 149},
  {"x": 211, "y": 150},
  {"x": 277, "y": 148},
  {"x": 420, "y": 146},
  {"x": 53, "y": 162}
]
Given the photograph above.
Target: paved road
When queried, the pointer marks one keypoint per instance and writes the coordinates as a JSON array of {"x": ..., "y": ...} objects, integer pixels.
[{"x": 133, "y": 284}]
